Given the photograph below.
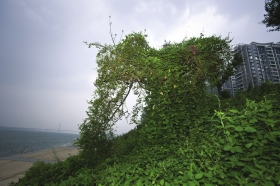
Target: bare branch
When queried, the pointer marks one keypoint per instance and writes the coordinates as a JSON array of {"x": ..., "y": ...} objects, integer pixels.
[{"x": 111, "y": 34}]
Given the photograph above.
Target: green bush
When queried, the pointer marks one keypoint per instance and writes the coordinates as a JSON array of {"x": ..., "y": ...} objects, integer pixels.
[
  {"x": 96, "y": 146},
  {"x": 238, "y": 101},
  {"x": 125, "y": 143},
  {"x": 238, "y": 147},
  {"x": 41, "y": 173},
  {"x": 84, "y": 177},
  {"x": 250, "y": 149}
]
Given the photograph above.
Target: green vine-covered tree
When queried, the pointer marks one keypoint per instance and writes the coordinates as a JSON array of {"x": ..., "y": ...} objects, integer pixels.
[
  {"x": 169, "y": 83},
  {"x": 219, "y": 58}
]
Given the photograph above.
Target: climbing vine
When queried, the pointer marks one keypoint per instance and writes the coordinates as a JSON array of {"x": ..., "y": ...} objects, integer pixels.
[{"x": 169, "y": 83}]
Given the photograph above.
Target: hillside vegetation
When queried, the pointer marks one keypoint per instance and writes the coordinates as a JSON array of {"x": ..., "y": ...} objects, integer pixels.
[{"x": 186, "y": 136}]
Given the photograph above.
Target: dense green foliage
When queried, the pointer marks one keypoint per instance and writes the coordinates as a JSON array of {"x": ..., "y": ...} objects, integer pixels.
[
  {"x": 225, "y": 94},
  {"x": 272, "y": 16},
  {"x": 186, "y": 135},
  {"x": 165, "y": 80},
  {"x": 271, "y": 91},
  {"x": 41, "y": 172}
]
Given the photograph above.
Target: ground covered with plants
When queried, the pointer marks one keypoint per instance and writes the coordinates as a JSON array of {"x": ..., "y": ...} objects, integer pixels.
[{"x": 185, "y": 135}]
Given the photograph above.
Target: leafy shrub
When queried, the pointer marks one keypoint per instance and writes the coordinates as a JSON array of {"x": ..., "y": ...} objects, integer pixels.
[
  {"x": 96, "y": 146},
  {"x": 238, "y": 101},
  {"x": 41, "y": 173},
  {"x": 84, "y": 177},
  {"x": 250, "y": 149},
  {"x": 234, "y": 148},
  {"x": 125, "y": 143}
]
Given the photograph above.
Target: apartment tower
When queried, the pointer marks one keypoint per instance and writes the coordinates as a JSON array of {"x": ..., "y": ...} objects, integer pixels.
[{"x": 261, "y": 62}]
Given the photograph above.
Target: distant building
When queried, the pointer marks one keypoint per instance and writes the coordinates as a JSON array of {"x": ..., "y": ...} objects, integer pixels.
[
  {"x": 230, "y": 85},
  {"x": 261, "y": 62}
]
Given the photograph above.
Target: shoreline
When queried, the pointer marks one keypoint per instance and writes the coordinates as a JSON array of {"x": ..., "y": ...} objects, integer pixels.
[
  {"x": 30, "y": 152},
  {"x": 16, "y": 142},
  {"x": 14, "y": 167},
  {"x": 25, "y": 155}
]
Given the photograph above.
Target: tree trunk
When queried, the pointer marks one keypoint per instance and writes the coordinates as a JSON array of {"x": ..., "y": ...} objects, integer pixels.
[{"x": 219, "y": 87}]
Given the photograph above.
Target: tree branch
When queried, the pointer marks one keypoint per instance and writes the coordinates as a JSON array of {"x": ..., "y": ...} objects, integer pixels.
[
  {"x": 113, "y": 39},
  {"x": 130, "y": 87}
]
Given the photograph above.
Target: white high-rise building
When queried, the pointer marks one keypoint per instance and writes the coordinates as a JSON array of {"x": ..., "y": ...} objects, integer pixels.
[{"x": 261, "y": 62}]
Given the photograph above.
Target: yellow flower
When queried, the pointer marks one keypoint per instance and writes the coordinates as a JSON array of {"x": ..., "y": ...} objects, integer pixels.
[
  {"x": 161, "y": 93},
  {"x": 169, "y": 70},
  {"x": 153, "y": 106},
  {"x": 175, "y": 86}
]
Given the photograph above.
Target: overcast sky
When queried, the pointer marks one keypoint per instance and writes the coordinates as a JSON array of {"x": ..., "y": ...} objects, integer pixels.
[{"x": 47, "y": 72}]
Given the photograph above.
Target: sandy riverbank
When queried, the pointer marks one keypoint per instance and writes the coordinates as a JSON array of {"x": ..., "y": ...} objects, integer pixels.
[{"x": 14, "y": 167}]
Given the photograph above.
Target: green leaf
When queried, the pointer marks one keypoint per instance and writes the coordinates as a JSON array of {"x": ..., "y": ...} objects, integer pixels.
[
  {"x": 254, "y": 153},
  {"x": 238, "y": 149},
  {"x": 230, "y": 139},
  {"x": 204, "y": 146},
  {"x": 161, "y": 182},
  {"x": 254, "y": 120},
  {"x": 275, "y": 133},
  {"x": 238, "y": 128},
  {"x": 234, "y": 111},
  {"x": 254, "y": 175},
  {"x": 167, "y": 184},
  {"x": 269, "y": 183},
  {"x": 139, "y": 182},
  {"x": 233, "y": 159},
  {"x": 191, "y": 183},
  {"x": 232, "y": 150},
  {"x": 199, "y": 175},
  {"x": 250, "y": 129},
  {"x": 268, "y": 107},
  {"x": 245, "y": 159},
  {"x": 229, "y": 126},
  {"x": 190, "y": 174},
  {"x": 227, "y": 147},
  {"x": 250, "y": 184},
  {"x": 221, "y": 140},
  {"x": 271, "y": 138},
  {"x": 248, "y": 145},
  {"x": 230, "y": 119},
  {"x": 240, "y": 164},
  {"x": 220, "y": 182},
  {"x": 208, "y": 174}
]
